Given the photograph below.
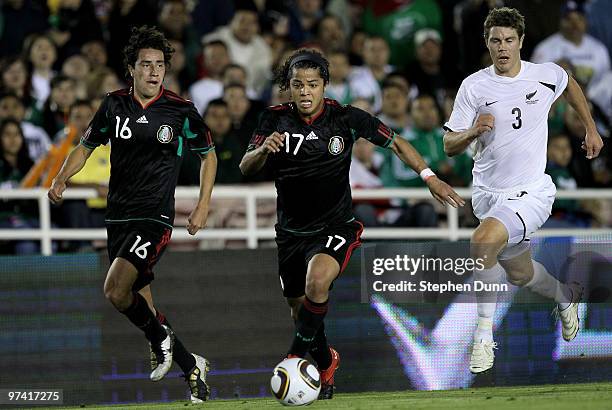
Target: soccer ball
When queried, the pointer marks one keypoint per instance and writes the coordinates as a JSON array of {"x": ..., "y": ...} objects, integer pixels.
[{"x": 295, "y": 382}]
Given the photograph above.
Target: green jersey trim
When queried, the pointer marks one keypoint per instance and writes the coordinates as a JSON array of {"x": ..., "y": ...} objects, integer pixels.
[{"x": 117, "y": 221}]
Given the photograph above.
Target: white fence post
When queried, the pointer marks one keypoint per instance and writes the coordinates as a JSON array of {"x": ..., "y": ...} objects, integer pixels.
[{"x": 44, "y": 210}]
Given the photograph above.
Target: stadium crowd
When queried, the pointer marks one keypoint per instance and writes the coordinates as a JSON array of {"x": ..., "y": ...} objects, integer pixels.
[{"x": 402, "y": 60}]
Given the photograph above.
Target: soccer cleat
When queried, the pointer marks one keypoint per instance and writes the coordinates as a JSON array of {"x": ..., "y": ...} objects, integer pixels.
[
  {"x": 570, "y": 322},
  {"x": 482, "y": 358},
  {"x": 152, "y": 358},
  {"x": 327, "y": 376},
  {"x": 196, "y": 379},
  {"x": 163, "y": 353}
]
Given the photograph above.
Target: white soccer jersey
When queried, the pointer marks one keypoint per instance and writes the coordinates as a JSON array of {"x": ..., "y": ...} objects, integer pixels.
[{"x": 514, "y": 152}]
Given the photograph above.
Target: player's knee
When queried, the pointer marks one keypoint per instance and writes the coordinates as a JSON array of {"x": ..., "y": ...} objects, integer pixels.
[
  {"x": 518, "y": 278},
  {"x": 119, "y": 298},
  {"x": 317, "y": 283}
]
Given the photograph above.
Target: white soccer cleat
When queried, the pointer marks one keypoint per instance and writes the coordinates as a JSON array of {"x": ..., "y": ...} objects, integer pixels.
[
  {"x": 196, "y": 379},
  {"x": 164, "y": 356},
  {"x": 482, "y": 356},
  {"x": 570, "y": 322}
]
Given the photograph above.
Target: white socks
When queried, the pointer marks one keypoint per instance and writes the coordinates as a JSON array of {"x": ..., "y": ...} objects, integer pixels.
[
  {"x": 543, "y": 283},
  {"x": 487, "y": 302}
]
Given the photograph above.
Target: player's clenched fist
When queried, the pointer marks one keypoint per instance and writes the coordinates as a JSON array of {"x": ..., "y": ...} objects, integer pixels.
[
  {"x": 484, "y": 123},
  {"x": 56, "y": 191},
  {"x": 274, "y": 142}
]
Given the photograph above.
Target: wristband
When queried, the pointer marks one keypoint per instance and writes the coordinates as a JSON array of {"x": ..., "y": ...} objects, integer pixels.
[{"x": 426, "y": 174}]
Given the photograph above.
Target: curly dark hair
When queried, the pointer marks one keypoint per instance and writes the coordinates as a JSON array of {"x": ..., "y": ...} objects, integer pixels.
[
  {"x": 302, "y": 58},
  {"x": 504, "y": 17},
  {"x": 145, "y": 37}
]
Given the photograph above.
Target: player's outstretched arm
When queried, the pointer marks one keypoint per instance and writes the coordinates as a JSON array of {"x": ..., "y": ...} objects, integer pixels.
[
  {"x": 208, "y": 172},
  {"x": 575, "y": 97},
  {"x": 73, "y": 164},
  {"x": 457, "y": 142},
  {"x": 438, "y": 188},
  {"x": 254, "y": 160}
]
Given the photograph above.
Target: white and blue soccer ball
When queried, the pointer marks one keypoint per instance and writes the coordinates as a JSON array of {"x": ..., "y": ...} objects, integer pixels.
[{"x": 295, "y": 382}]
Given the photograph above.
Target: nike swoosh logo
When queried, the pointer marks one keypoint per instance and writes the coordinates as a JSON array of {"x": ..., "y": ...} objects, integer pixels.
[{"x": 490, "y": 103}]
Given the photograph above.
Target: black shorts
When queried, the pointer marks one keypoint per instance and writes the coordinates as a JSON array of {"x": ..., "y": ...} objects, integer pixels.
[
  {"x": 141, "y": 243},
  {"x": 294, "y": 253}
]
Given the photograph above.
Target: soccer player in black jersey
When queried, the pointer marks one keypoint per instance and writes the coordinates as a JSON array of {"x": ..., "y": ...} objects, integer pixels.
[
  {"x": 307, "y": 145},
  {"x": 149, "y": 128}
]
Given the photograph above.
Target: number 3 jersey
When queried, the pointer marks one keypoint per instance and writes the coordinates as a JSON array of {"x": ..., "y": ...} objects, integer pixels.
[
  {"x": 311, "y": 171},
  {"x": 514, "y": 152},
  {"x": 147, "y": 146}
]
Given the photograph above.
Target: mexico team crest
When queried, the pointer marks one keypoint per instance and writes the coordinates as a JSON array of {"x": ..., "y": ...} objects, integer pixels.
[
  {"x": 164, "y": 134},
  {"x": 336, "y": 145}
]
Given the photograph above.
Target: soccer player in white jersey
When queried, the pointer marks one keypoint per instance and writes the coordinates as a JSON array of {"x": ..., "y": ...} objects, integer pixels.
[{"x": 502, "y": 112}]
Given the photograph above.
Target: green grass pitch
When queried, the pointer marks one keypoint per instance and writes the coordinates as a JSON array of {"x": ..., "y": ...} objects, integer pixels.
[{"x": 592, "y": 396}]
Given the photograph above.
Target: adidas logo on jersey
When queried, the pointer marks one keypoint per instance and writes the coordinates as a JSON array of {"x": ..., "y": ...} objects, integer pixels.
[
  {"x": 311, "y": 136},
  {"x": 142, "y": 120}
]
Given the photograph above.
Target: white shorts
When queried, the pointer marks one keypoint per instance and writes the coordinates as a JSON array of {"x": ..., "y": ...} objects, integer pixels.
[{"x": 521, "y": 210}]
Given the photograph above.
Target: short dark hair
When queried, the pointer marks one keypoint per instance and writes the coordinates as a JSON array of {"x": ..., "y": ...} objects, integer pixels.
[
  {"x": 80, "y": 103},
  {"x": 217, "y": 102},
  {"x": 145, "y": 37},
  {"x": 58, "y": 79},
  {"x": 504, "y": 17},
  {"x": 302, "y": 58}
]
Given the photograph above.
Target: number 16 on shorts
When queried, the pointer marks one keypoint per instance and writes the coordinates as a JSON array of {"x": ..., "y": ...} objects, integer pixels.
[{"x": 140, "y": 250}]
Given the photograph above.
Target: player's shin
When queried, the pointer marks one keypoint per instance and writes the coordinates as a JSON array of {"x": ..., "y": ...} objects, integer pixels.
[
  {"x": 543, "y": 283},
  {"x": 319, "y": 349},
  {"x": 141, "y": 316},
  {"x": 309, "y": 319},
  {"x": 487, "y": 302}
]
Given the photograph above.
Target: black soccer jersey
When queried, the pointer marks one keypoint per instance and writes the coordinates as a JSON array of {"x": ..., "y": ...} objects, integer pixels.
[
  {"x": 311, "y": 171},
  {"x": 147, "y": 148}
]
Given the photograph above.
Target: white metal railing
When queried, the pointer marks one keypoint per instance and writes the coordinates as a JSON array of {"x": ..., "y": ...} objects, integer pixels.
[{"x": 252, "y": 233}]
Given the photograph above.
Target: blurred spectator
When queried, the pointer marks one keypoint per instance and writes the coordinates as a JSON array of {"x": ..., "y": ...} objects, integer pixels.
[
  {"x": 356, "y": 47},
  {"x": 427, "y": 72},
  {"x": 101, "y": 82},
  {"x": 41, "y": 54},
  {"x": 427, "y": 138},
  {"x": 228, "y": 146},
  {"x": 210, "y": 14},
  {"x": 573, "y": 48},
  {"x": 14, "y": 164},
  {"x": 366, "y": 80},
  {"x": 580, "y": 166},
  {"x": 175, "y": 22},
  {"x": 125, "y": 15},
  {"x": 339, "y": 87},
  {"x": 364, "y": 174},
  {"x": 236, "y": 74},
  {"x": 73, "y": 23},
  {"x": 600, "y": 93},
  {"x": 330, "y": 34},
  {"x": 77, "y": 68},
  {"x": 216, "y": 59},
  {"x": 566, "y": 212},
  {"x": 55, "y": 110},
  {"x": 246, "y": 47},
  {"x": 363, "y": 104},
  {"x": 177, "y": 77},
  {"x": 243, "y": 111},
  {"x": 47, "y": 167},
  {"x": 303, "y": 19},
  {"x": 15, "y": 78},
  {"x": 468, "y": 25},
  {"x": 394, "y": 110},
  {"x": 20, "y": 19},
  {"x": 397, "y": 21},
  {"x": 95, "y": 52},
  {"x": 37, "y": 140},
  {"x": 598, "y": 16}
]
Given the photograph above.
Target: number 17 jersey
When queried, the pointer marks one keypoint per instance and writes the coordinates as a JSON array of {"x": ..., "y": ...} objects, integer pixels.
[
  {"x": 513, "y": 154},
  {"x": 147, "y": 146}
]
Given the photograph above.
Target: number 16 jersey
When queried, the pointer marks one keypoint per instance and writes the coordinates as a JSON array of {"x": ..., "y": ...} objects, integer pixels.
[
  {"x": 147, "y": 146},
  {"x": 514, "y": 152}
]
